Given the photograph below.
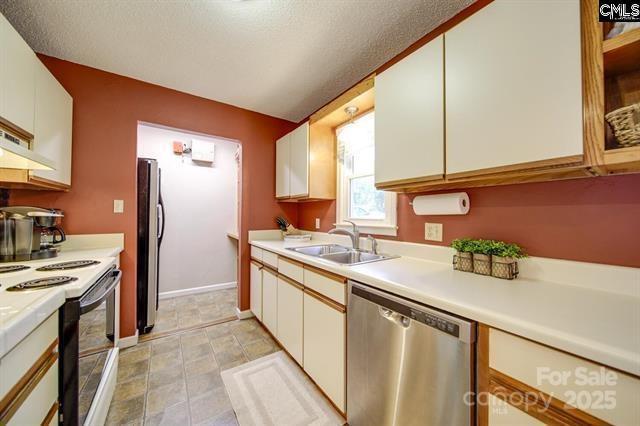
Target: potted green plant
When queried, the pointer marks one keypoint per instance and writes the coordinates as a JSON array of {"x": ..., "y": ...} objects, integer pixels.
[
  {"x": 504, "y": 257},
  {"x": 481, "y": 250},
  {"x": 463, "y": 260}
]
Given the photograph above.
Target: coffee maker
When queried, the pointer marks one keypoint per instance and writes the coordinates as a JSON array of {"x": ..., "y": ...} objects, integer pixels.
[{"x": 29, "y": 233}]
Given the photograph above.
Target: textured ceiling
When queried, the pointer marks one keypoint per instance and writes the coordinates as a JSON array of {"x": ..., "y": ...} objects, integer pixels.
[{"x": 285, "y": 58}]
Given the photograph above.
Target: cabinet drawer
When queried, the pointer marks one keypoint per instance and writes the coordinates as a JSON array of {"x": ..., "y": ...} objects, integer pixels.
[
  {"x": 563, "y": 376},
  {"x": 270, "y": 259},
  {"x": 39, "y": 404},
  {"x": 20, "y": 359},
  {"x": 256, "y": 253},
  {"x": 329, "y": 285},
  {"x": 291, "y": 269}
]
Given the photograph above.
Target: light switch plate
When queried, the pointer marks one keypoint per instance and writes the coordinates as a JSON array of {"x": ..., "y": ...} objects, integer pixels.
[
  {"x": 317, "y": 223},
  {"x": 433, "y": 231},
  {"x": 118, "y": 206}
]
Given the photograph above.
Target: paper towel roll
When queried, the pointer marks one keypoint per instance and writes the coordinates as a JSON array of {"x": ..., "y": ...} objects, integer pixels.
[{"x": 442, "y": 204}]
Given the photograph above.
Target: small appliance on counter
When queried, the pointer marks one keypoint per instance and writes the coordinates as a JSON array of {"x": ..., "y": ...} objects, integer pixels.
[{"x": 29, "y": 233}]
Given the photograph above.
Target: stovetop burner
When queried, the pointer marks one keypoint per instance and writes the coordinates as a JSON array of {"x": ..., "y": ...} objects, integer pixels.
[
  {"x": 42, "y": 283},
  {"x": 73, "y": 264},
  {"x": 12, "y": 268}
]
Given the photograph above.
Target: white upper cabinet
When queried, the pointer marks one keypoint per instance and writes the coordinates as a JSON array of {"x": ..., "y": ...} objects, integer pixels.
[
  {"x": 17, "y": 78},
  {"x": 53, "y": 118},
  {"x": 513, "y": 87},
  {"x": 409, "y": 121},
  {"x": 292, "y": 163},
  {"x": 299, "y": 161},
  {"x": 282, "y": 166}
]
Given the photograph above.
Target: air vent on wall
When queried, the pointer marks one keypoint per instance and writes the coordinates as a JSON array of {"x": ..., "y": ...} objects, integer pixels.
[{"x": 15, "y": 154}]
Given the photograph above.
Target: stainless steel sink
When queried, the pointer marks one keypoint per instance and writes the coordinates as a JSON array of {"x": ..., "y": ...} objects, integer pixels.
[
  {"x": 321, "y": 250},
  {"x": 340, "y": 254}
]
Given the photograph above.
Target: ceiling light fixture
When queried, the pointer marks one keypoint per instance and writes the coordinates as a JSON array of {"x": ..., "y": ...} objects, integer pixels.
[{"x": 351, "y": 110}]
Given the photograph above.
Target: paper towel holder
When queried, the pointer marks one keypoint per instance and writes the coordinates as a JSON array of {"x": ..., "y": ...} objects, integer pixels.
[{"x": 456, "y": 203}]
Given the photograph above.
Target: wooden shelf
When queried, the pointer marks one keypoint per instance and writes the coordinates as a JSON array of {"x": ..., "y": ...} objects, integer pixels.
[{"x": 622, "y": 53}]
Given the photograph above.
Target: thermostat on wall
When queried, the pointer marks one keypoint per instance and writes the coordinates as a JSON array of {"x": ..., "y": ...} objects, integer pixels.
[{"x": 202, "y": 151}]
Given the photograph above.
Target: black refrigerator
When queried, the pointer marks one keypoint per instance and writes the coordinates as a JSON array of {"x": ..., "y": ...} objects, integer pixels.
[{"x": 150, "y": 230}]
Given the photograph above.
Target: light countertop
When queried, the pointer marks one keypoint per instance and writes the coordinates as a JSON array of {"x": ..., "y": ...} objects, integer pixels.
[
  {"x": 22, "y": 312},
  {"x": 594, "y": 324}
]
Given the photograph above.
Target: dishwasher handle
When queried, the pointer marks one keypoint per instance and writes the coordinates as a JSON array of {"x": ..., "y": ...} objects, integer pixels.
[{"x": 402, "y": 312}]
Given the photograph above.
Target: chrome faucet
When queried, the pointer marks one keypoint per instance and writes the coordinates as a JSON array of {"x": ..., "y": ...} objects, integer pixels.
[
  {"x": 354, "y": 234},
  {"x": 374, "y": 244}
]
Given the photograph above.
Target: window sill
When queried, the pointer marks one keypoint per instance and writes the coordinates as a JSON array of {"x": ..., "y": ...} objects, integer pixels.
[{"x": 386, "y": 230}]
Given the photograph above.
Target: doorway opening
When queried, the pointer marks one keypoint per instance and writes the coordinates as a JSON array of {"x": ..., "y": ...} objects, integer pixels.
[{"x": 188, "y": 205}]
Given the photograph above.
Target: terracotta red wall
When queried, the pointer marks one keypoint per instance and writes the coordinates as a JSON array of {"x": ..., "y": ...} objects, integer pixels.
[
  {"x": 592, "y": 220},
  {"x": 107, "y": 108}
]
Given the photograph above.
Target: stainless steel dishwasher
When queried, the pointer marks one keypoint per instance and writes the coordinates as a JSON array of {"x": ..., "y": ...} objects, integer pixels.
[{"x": 407, "y": 364}]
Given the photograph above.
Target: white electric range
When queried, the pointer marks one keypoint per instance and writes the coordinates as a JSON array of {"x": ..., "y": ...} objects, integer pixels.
[{"x": 85, "y": 284}]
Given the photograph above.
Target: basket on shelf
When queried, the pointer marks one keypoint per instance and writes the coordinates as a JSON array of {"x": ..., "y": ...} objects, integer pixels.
[{"x": 625, "y": 123}]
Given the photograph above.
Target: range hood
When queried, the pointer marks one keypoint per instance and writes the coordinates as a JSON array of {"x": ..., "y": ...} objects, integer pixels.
[{"x": 15, "y": 155}]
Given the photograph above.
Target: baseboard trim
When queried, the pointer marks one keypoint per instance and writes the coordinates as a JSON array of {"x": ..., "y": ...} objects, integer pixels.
[
  {"x": 196, "y": 290},
  {"x": 243, "y": 314},
  {"x": 127, "y": 342}
]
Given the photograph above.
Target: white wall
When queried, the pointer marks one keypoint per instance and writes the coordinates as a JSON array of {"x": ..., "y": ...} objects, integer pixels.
[{"x": 200, "y": 202}]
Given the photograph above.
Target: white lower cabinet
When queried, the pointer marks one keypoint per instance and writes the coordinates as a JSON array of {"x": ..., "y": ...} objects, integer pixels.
[
  {"x": 270, "y": 300},
  {"x": 325, "y": 348},
  {"x": 290, "y": 317},
  {"x": 35, "y": 358},
  {"x": 255, "y": 295}
]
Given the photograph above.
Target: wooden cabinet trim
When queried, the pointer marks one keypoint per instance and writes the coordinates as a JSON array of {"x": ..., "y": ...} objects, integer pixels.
[
  {"x": 326, "y": 274},
  {"x": 256, "y": 263},
  {"x": 366, "y": 84},
  {"x": 533, "y": 165},
  {"x": 291, "y": 282},
  {"x": 16, "y": 396},
  {"x": 482, "y": 373},
  {"x": 593, "y": 98},
  {"x": 412, "y": 181},
  {"x": 48, "y": 183},
  {"x": 329, "y": 302},
  {"x": 270, "y": 270},
  {"x": 50, "y": 414},
  {"x": 558, "y": 412}
]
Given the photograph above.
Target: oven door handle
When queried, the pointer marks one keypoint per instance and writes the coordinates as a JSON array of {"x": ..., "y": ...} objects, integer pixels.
[{"x": 100, "y": 291}]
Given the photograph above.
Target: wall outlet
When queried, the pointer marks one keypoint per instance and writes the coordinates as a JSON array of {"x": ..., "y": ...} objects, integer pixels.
[
  {"x": 118, "y": 206},
  {"x": 317, "y": 223},
  {"x": 433, "y": 231}
]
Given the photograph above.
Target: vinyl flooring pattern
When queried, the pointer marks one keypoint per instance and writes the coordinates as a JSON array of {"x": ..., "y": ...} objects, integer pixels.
[{"x": 175, "y": 379}]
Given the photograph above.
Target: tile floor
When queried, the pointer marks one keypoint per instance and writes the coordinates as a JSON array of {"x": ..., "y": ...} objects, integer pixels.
[
  {"x": 175, "y": 380},
  {"x": 174, "y": 314},
  {"x": 183, "y": 312}
]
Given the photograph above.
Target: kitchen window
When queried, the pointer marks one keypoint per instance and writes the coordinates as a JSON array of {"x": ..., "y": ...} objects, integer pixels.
[{"x": 358, "y": 199}]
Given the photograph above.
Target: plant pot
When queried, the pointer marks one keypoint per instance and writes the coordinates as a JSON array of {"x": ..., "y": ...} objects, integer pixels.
[
  {"x": 504, "y": 267},
  {"x": 463, "y": 261},
  {"x": 482, "y": 264}
]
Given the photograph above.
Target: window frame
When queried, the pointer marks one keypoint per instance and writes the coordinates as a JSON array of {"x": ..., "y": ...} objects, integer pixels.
[{"x": 388, "y": 226}]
